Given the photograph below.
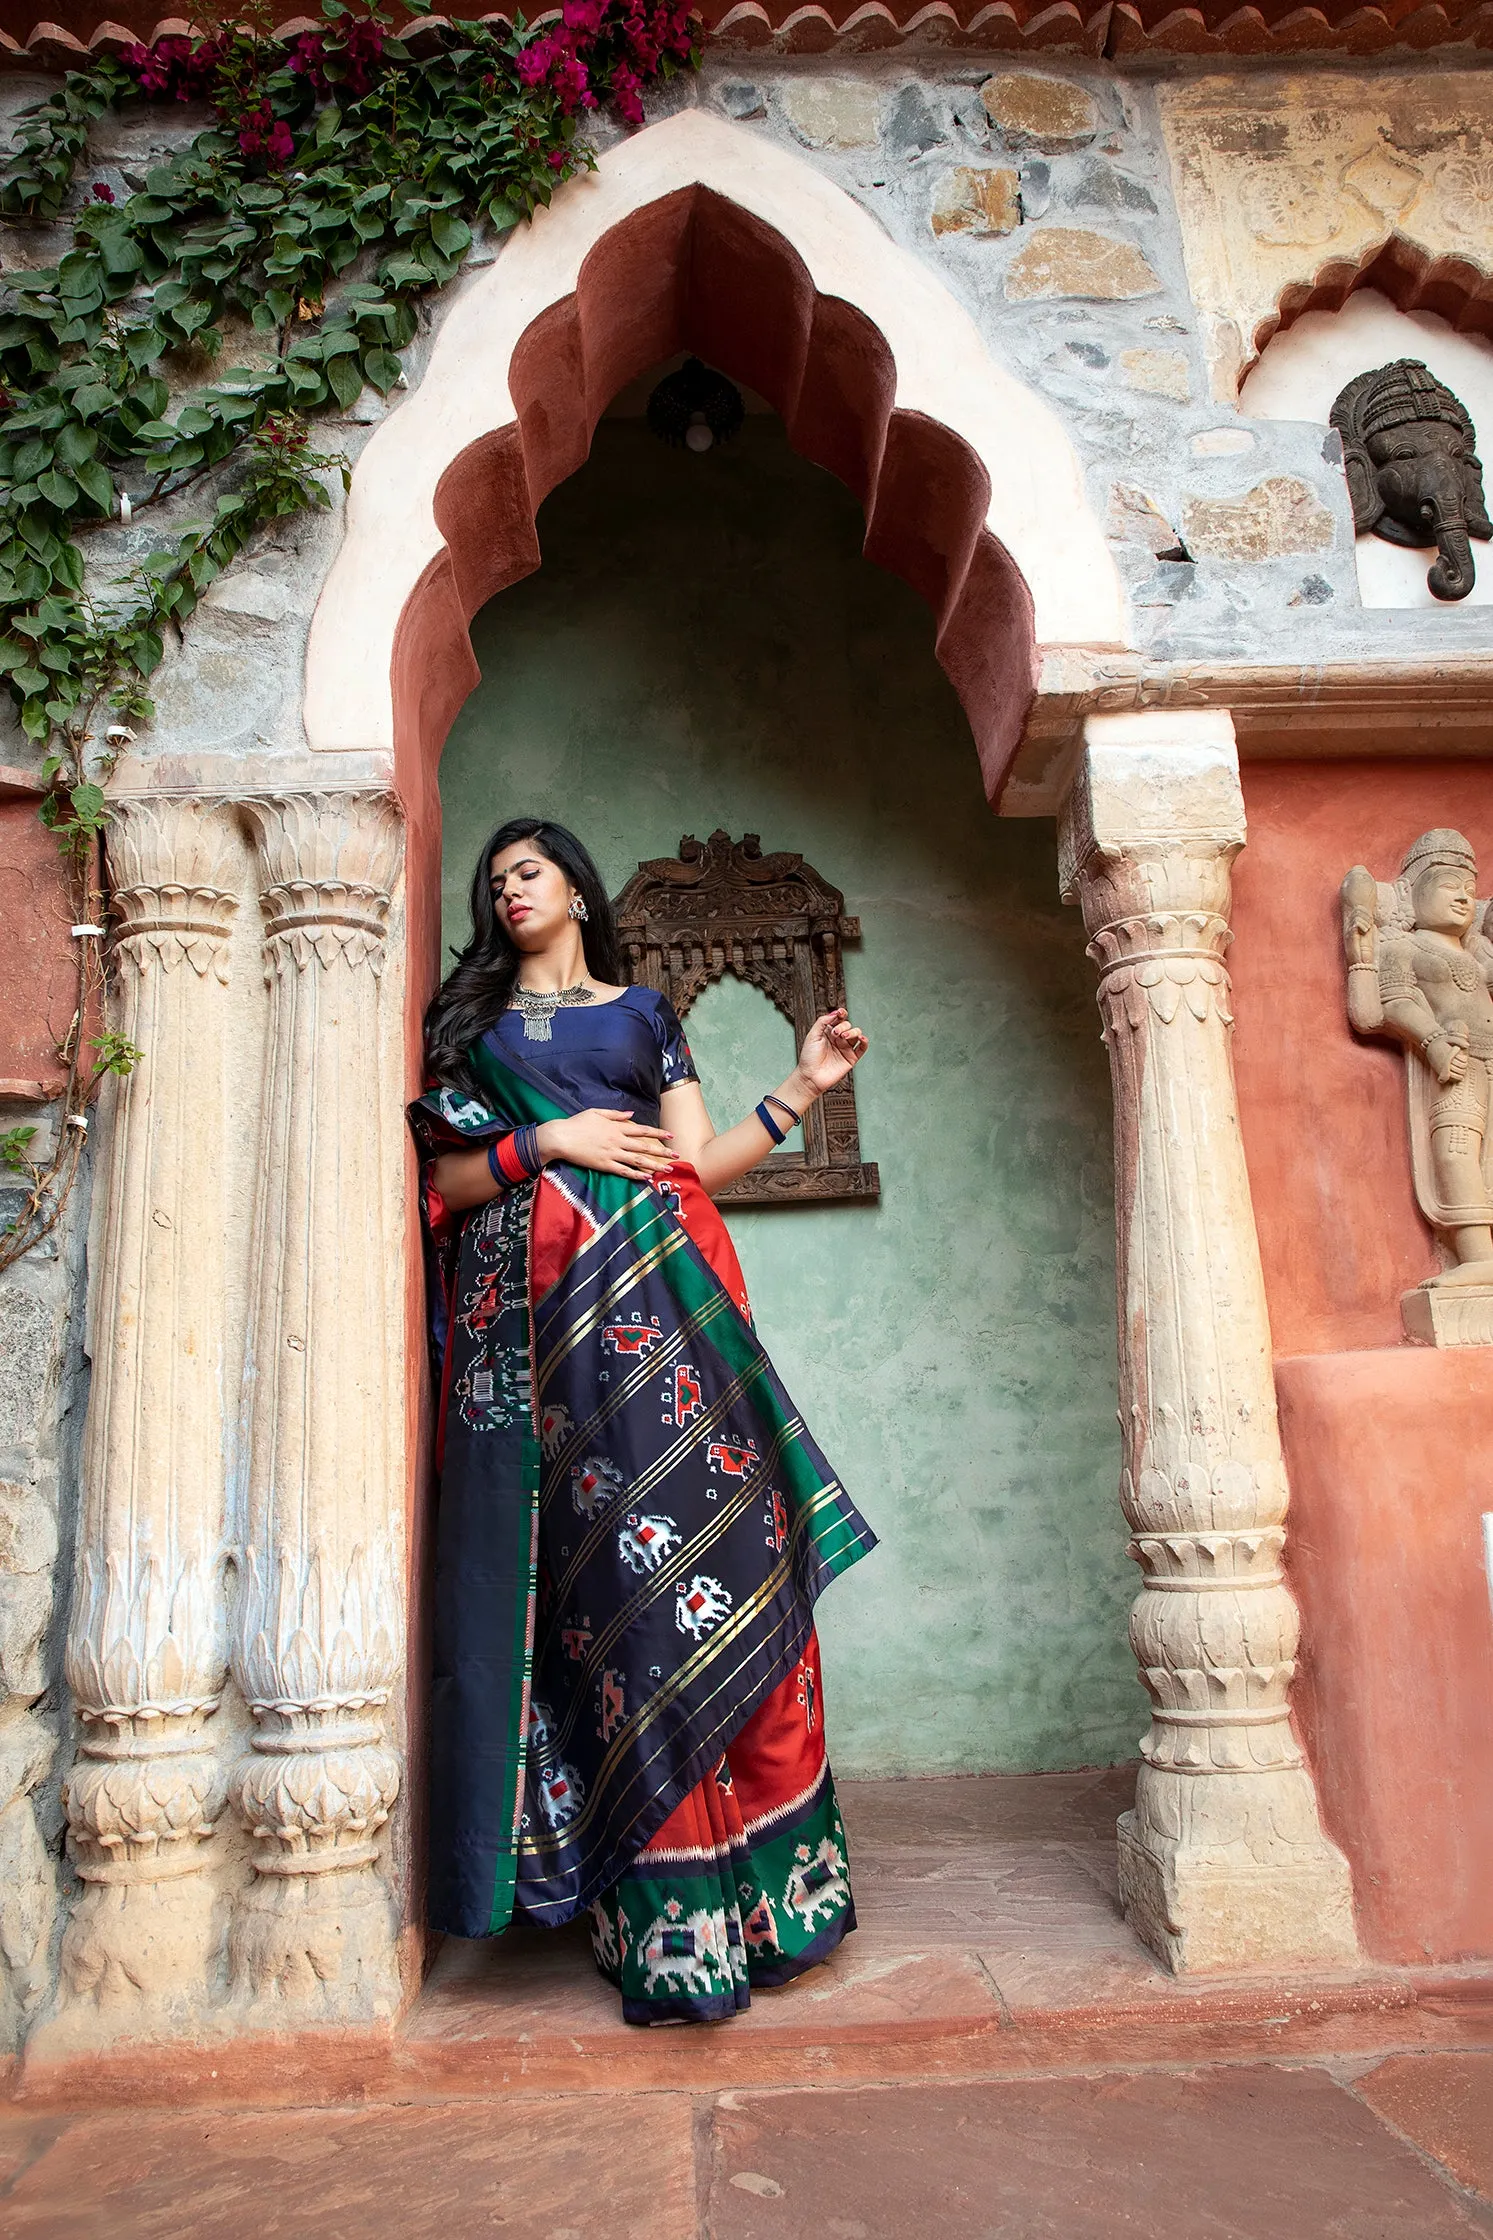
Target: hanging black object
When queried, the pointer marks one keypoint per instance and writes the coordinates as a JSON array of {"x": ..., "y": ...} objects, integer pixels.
[{"x": 695, "y": 407}]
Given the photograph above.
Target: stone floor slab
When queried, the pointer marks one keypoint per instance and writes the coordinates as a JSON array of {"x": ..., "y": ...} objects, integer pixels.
[
  {"x": 1444, "y": 2102},
  {"x": 991, "y": 1945},
  {"x": 1010, "y": 1806},
  {"x": 598, "y": 2168},
  {"x": 1223, "y": 2154}
]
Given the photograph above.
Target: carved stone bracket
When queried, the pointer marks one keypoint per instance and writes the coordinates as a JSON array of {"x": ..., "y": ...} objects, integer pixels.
[
  {"x": 319, "y": 1636},
  {"x": 723, "y": 908},
  {"x": 147, "y": 1646},
  {"x": 1223, "y": 1863}
]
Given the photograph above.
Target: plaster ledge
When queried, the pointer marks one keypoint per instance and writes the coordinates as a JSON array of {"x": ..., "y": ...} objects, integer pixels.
[{"x": 1437, "y": 705}]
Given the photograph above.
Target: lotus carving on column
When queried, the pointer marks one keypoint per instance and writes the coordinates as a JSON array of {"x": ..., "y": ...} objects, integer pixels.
[
  {"x": 147, "y": 1636},
  {"x": 170, "y": 924},
  {"x": 316, "y": 1791},
  {"x": 124, "y": 1803},
  {"x": 328, "y": 919},
  {"x": 1231, "y": 1496},
  {"x": 1158, "y": 964},
  {"x": 316, "y": 1634}
]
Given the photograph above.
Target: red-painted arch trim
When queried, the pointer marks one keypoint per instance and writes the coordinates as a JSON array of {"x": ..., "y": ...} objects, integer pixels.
[{"x": 695, "y": 271}]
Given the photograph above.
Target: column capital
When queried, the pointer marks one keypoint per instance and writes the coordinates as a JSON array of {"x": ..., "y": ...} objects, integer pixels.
[
  {"x": 173, "y": 864},
  {"x": 327, "y": 866},
  {"x": 1157, "y": 782}
]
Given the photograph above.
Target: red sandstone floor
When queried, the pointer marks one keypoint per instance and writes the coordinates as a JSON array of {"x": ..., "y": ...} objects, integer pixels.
[{"x": 991, "y": 2054}]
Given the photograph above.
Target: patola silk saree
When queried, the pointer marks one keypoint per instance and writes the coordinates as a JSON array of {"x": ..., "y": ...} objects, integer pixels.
[{"x": 634, "y": 1526}]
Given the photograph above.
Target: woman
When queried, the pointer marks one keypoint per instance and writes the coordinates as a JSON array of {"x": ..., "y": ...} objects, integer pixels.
[{"x": 634, "y": 1523}]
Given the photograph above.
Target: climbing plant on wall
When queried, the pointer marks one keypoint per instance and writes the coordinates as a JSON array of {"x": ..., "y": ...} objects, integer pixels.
[{"x": 339, "y": 178}]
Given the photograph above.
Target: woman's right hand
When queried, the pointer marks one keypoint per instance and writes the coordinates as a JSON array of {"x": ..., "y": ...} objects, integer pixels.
[{"x": 607, "y": 1142}]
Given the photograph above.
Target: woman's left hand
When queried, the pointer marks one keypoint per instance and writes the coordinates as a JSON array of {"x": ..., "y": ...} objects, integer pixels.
[{"x": 831, "y": 1047}]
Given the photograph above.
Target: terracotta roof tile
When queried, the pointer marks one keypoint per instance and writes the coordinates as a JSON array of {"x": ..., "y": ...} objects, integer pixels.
[{"x": 1114, "y": 27}]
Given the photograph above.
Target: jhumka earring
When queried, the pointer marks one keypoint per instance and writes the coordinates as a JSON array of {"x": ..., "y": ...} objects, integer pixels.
[{"x": 579, "y": 911}]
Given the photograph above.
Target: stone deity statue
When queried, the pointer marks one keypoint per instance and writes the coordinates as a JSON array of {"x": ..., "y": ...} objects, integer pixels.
[
  {"x": 1420, "y": 965},
  {"x": 1410, "y": 452}
]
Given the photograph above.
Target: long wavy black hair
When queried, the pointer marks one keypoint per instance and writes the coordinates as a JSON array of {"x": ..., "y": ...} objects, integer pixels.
[{"x": 479, "y": 986}]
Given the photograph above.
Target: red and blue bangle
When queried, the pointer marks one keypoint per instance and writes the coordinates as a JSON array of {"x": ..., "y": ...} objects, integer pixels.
[{"x": 516, "y": 1158}]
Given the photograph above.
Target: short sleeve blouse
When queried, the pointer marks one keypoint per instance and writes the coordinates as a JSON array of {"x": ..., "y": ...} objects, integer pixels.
[{"x": 619, "y": 1054}]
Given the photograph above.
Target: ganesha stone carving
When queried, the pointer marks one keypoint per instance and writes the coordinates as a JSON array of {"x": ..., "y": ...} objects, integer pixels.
[
  {"x": 1414, "y": 476},
  {"x": 1420, "y": 967}
]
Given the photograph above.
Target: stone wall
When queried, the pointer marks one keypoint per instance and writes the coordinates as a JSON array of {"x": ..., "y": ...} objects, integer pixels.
[{"x": 43, "y": 1392}]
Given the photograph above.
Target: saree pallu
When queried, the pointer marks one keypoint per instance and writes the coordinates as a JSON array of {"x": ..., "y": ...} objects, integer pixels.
[{"x": 634, "y": 1526}]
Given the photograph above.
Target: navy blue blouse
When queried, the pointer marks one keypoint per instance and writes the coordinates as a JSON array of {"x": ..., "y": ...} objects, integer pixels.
[{"x": 621, "y": 1053}]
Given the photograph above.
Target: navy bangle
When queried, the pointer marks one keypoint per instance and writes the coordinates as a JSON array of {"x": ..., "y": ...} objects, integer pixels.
[
  {"x": 769, "y": 1123},
  {"x": 526, "y": 1146},
  {"x": 515, "y": 1158}
]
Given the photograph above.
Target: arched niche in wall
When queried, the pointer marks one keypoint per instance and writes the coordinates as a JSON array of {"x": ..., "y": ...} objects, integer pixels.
[
  {"x": 1303, "y": 369},
  {"x": 697, "y": 235}
]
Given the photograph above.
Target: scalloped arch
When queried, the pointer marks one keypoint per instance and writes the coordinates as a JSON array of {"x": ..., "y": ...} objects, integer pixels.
[
  {"x": 697, "y": 233},
  {"x": 1455, "y": 288}
]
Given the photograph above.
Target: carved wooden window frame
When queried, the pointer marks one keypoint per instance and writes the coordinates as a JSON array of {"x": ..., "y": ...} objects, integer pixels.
[{"x": 721, "y": 906}]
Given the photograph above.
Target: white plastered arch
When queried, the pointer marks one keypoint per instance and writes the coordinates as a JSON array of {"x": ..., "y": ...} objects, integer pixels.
[{"x": 1037, "y": 510}]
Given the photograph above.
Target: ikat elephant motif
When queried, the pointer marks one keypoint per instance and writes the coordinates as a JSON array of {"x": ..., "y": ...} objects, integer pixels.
[{"x": 1414, "y": 476}]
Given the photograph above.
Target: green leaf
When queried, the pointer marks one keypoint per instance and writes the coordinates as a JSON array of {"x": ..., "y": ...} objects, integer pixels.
[
  {"x": 75, "y": 444},
  {"x": 95, "y": 481},
  {"x": 345, "y": 380},
  {"x": 382, "y": 368},
  {"x": 503, "y": 216},
  {"x": 144, "y": 346},
  {"x": 93, "y": 397},
  {"x": 451, "y": 235},
  {"x": 119, "y": 255},
  {"x": 13, "y": 1144},
  {"x": 59, "y": 489},
  {"x": 116, "y": 1054}
]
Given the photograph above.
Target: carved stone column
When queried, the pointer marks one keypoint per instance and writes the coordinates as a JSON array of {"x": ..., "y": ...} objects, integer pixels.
[
  {"x": 147, "y": 1645},
  {"x": 319, "y": 1636},
  {"x": 1223, "y": 1863}
]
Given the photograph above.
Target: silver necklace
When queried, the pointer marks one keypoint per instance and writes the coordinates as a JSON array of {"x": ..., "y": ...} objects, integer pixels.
[{"x": 537, "y": 1008}]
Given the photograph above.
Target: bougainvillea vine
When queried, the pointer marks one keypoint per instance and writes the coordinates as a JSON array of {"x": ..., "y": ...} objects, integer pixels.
[{"x": 339, "y": 178}]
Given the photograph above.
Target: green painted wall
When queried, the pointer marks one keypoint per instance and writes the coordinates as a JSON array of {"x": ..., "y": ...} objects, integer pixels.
[{"x": 704, "y": 645}]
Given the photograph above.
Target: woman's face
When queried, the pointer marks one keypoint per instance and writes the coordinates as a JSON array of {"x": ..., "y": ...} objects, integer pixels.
[{"x": 531, "y": 895}]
